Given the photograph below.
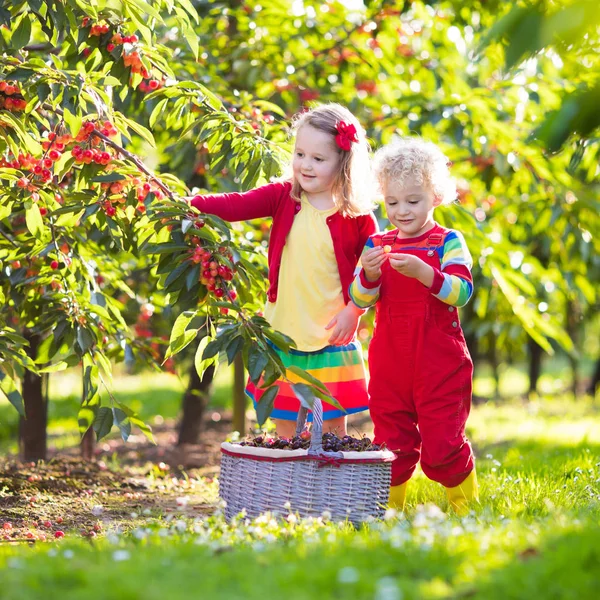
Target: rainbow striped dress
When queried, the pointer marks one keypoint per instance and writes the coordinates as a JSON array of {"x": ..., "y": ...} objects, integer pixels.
[{"x": 309, "y": 298}]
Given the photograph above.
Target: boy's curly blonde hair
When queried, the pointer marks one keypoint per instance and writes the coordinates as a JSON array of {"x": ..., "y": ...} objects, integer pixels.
[
  {"x": 352, "y": 189},
  {"x": 417, "y": 161}
]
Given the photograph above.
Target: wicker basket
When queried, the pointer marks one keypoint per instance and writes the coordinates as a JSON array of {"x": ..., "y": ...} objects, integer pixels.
[{"x": 348, "y": 485}]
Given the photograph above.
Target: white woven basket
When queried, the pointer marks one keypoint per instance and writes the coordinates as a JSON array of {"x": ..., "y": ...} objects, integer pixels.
[{"x": 348, "y": 485}]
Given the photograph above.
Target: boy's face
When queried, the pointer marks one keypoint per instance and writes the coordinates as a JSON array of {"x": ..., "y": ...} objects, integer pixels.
[{"x": 410, "y": 207}]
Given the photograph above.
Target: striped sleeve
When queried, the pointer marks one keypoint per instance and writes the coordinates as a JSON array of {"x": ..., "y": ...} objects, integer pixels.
[
  {"x": 453, "y": 283},
  {"x": 364, "y": 293}
]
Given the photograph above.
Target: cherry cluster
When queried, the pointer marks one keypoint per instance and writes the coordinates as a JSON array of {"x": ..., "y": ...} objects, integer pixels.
[
  {"x": 10, "y": 96},
  {"x": 213, "y": 274},
  {"x": 117, "y": 193},
  {"x": 331, "y": 443}
]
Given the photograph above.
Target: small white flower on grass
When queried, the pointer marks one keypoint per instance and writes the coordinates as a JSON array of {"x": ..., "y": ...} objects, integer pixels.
[
  {"x": 390, "y": 513},
  {"x": 326, "y": 515},
  {"x": 134, "y": 515},
  {"x": 348, "y": 575},
  {"x": 181, "y": 526},
  {"x": 68, "y": 554},
  {"x": 121, "y": 555},
  {"x": 292, "y": 518},
  {"x": 139, "y": 534},
  {"x": 387, "y": 589},
  {"x": 163, "y": 532},
  {"x": 15, "y": 563},
  {"x": 97, "y": 510},
  {"x": 146, "y": 512},
  {"x": 287, "y": 506}
]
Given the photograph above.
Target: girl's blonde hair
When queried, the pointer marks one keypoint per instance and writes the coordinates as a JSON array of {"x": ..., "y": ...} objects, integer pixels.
[
  {"x": 352, "y": 192},
  {"x": 418, "y": 161}
]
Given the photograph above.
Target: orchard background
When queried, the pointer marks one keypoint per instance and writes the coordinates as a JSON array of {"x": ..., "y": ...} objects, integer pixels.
[{"x": 118, "y": 302}]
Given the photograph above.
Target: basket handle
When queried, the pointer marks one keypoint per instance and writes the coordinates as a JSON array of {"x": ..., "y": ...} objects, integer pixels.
[{"x": 316, "y": 438}]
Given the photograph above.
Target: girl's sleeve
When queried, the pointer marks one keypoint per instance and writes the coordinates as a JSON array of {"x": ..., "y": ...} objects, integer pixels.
[
  {"x": 242, "y": 206},
  {"x": 364, "y": 293},
  {"x": 453, "y": 282}
]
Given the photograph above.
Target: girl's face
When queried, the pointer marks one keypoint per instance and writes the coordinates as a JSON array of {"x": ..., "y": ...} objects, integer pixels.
[
  {"x": 316, "y": 161},
  {"x": 410, "y": 207}
]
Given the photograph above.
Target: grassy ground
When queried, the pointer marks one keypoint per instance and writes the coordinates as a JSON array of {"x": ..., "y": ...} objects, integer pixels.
[{"x": 534, "y": 535}]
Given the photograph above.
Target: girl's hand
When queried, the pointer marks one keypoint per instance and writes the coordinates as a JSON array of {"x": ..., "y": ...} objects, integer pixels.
[
  {"x": 371, "y": 262},
  {"x": 344, "y": 325},
  {"x": 412, "y": 266}
]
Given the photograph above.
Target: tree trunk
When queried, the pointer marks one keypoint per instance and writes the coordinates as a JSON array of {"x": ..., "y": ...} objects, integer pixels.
[
  {"x": 573, "y": 319},
  {"x": 193, "y": 406},
  {"x": 239, "y": 395},
  {"x": 33, "y": 441},
  {"x": 87, "y": 445},
  {"x": 493, "y": 358},
  {"x": 535, "y": 364},
  {"x": 595, "y": 382}
]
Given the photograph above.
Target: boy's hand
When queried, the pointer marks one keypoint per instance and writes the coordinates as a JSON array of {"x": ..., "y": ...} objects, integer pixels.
[
  {"x": 344, "y": 325},
  {"x": 412, "y": 266},
  {"x": 371, "y": 261}
]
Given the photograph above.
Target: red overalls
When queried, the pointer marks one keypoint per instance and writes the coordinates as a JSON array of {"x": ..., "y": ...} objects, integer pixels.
[{"x": 420, "y": 375}]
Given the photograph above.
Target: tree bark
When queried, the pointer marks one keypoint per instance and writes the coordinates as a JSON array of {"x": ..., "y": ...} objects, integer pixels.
[
  {"x": 239, "y": 395},
  {"x": 535, "y": 364},
  {"x": 595, "y": 382},
  {"x": 573, "y": 329},
  {"x": 33, "y": 441},
  {"x": 87, "y": 445},
  {"x": 194, "y": 405}
]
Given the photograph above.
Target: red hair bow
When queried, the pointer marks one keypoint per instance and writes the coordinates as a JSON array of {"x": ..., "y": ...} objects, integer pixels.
[{"x": 346, "y": 135}]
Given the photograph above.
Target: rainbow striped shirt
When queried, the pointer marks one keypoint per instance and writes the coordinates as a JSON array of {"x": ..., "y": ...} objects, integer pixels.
[{"x": 452, "y": 282}]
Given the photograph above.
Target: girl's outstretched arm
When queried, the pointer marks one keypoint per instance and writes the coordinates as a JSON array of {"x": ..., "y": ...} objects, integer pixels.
[{"x": 243, "y": 206}]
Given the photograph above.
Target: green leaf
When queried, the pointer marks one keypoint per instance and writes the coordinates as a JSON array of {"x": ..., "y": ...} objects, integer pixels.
[
  {"x": 257, "y": 361},
  {"x": 8, "y": 387},
  {"x": 264, "y": 407},
  {"x": 135, "y": 126},
  {"x": 308, "y": 377},
  {"x": 181, "y": 342},
  {"x": 34, "y": 221},
  {"x": 199, "y": 362},
  {"x": 282, "y": 341},
  {"x": 326, "y": 397},
  {"x": 73, "y": 121},
  {"x": 103, "y": 422},
  {"x": 157, "y": 112},
  {"x": 212, "y": 348},
  {"x": 143, "y": 427},
  {"x": 123, "y": 423},
  {"x": 85, "y": 339},
  {"x": 87, "y": 413},
  {"x": 22, "y": 33},
  {"x": 305, "y": 394},
  {"x": 234, "y": 346}
]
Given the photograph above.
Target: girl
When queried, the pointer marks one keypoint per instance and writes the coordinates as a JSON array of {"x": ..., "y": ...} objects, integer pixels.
[
  {"x": 321, "y": 221},
  {"x": 421, "y": 371}
]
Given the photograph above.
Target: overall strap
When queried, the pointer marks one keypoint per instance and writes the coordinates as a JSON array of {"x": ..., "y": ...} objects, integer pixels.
[{"x": 433, "y": 242}]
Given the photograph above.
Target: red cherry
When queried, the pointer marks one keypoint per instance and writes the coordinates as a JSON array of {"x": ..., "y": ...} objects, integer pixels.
[
  {"x": 219, "y": 293},
  {"x": 47, "y": 524},
  {"x": 43, "y": 211},
  {"x": 59, "y": 534}
]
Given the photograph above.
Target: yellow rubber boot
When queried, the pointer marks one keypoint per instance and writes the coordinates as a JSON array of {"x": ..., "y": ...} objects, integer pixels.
[
  {"x": 397, "y": 496},
  {"x": 462, "y": 495}
]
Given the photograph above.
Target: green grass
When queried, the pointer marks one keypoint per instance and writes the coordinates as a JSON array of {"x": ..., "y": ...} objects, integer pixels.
[{"x": 534, "y": 535}]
